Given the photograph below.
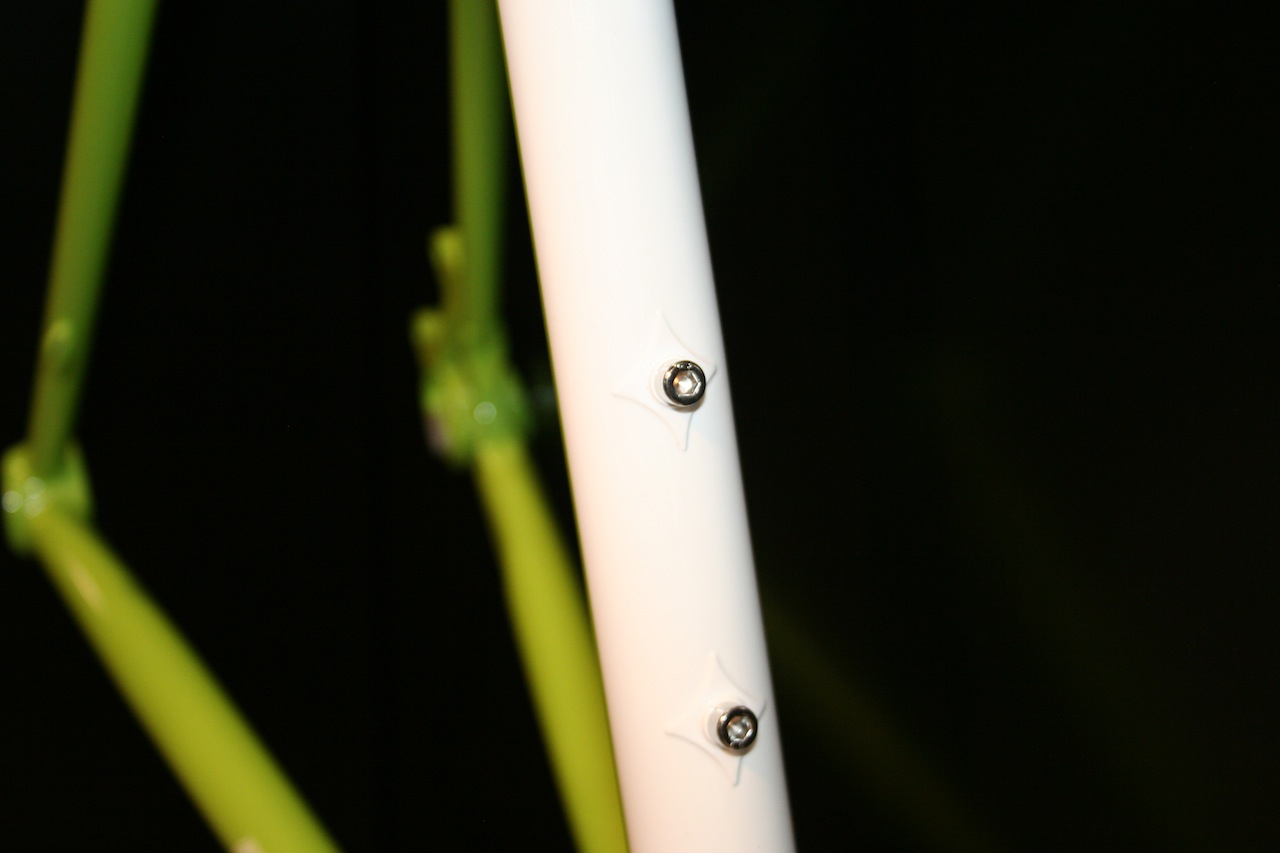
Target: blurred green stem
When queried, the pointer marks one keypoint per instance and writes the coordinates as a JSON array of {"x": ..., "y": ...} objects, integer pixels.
[
  {"x": 112, "y": 57},
  {"x": 225, "y": 769},
  {"x": 480, "y": 120},
  {"x": 477, "y": 417},
  {"x": 549, "y": 619}
]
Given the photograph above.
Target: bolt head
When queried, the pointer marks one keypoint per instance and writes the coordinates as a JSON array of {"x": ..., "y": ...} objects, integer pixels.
[
  {"x": 684, "y": 383},
  {"x": 736, "y": 728}
]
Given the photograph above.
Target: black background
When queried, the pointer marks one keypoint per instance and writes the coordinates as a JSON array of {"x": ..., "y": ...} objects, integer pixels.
[{"x": 999, "y": 290}]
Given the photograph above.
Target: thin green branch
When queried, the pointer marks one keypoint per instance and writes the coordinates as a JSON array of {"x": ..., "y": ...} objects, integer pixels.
[
  {"x": 480, "y": 122},
  {"x": 112, "y": 57},
  {"x": 477, "y": 416},
  {"x": 227, "y": 772},
  {"x": 549, "y": 619}
]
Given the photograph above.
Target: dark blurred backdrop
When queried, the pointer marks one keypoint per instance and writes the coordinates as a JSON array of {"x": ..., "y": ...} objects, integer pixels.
[{"x": 999, "y": 289}]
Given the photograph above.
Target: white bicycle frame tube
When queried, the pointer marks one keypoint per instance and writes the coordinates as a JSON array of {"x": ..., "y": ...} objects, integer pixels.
[{"x": 627, "y": 289}]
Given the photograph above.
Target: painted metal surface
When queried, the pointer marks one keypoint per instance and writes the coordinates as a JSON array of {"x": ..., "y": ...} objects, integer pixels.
[{"x": 627, "y": 287}]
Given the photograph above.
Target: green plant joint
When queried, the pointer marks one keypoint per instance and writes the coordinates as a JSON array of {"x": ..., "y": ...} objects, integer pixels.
[
  {"x": 470, "y": 392},
  {"x": 25, "y": 495}
]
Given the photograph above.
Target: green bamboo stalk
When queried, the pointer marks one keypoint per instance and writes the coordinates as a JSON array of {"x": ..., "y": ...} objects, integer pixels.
[
  {"x": 480, "y": 121},
  {"x": 224, "y": 767},
  {"x": 113, "y": 54},
  {"x": 476, "y": 405},
  {"x": 549, "y": 618}
]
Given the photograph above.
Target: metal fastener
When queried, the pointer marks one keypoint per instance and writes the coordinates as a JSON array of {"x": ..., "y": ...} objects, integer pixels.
[
  {"x": 736, "y": 728},
  {"x": 684, "y": 383}
]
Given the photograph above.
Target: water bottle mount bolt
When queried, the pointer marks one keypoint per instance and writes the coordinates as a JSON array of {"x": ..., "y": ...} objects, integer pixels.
[
  {"x": 684, "y": 383},
  {"x": 736, "y": 728}
]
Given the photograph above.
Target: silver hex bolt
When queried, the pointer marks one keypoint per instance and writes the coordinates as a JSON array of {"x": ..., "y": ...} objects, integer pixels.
[
  {"x": 736, "y": 728},
  {"x": 684, "y": 383}
]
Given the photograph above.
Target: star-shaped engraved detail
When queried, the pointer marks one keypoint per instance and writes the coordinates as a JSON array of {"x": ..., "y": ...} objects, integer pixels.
[
  {"x": 642, "y": 382},
  {"x": 696, "y": 721}
]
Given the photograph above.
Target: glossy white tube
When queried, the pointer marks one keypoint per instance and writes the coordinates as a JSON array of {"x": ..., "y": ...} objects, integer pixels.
[{"x": 626, "y": 279}]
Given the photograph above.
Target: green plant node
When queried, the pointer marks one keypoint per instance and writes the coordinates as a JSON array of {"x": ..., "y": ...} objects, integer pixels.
[
  {"x": 25, "y": 495},
  {"x": 470, "y": 392}
]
